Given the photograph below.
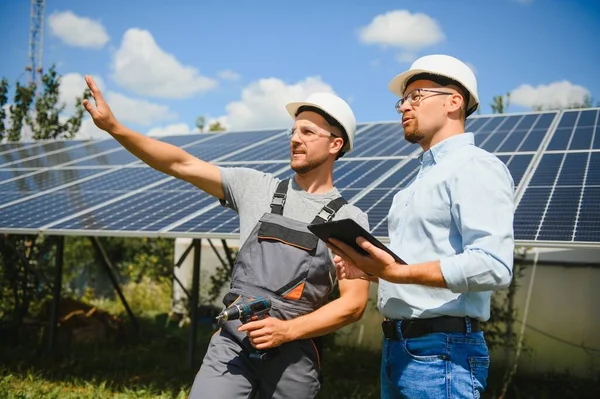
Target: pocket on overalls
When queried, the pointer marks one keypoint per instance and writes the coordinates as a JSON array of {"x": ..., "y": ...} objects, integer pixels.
[{"x": 287, "y": 257}]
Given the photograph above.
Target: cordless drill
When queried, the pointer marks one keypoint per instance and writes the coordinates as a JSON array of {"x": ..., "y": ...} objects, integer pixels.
[{"x": 253, "y": 310}]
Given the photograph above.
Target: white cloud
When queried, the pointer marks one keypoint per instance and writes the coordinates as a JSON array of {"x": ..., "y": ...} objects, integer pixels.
[
  {"x": 142, "y": 112},
  {"x": 89, "y": 131},
  {"x": 72, "y": 86},
  {"x": 263, "y": 103},
  {"x": 143, "y": 67},
  {"x": 406, "y": 58},
  {"x": 77, "y": 31},
  {"x": 228, "y": 74},
  {"x": 402, "y": 29},
  {"x": 551, "y": 96},
  {"x": 169, "y": 130}
]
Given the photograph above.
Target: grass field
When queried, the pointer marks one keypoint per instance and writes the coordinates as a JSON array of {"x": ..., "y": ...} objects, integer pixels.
[{"x": 155, "y": 365}]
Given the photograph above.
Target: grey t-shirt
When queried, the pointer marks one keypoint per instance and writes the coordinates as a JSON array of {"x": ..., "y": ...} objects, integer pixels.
[{"x": 249, "y": 193}]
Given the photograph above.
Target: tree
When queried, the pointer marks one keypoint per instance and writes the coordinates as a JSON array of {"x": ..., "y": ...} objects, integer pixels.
[
  {"x": 41, "y": 114},
  {"x": 500, "y": 104},
  {"x": 216, "y": 127},
  {"x": 201, "y": 123}
]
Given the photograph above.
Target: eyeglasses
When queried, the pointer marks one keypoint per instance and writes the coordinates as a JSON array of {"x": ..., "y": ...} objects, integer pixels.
[
  {"x": 308, "y": 134},
  {"x": 417, "y": 95}
]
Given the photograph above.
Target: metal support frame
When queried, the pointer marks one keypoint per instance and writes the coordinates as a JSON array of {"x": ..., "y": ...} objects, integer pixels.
[
  {"x": 56, "y": 290},
  {"x": 106, "y": 263},
  {"x": 197, "y": 244},
  {"x": 219, "y": 255}
]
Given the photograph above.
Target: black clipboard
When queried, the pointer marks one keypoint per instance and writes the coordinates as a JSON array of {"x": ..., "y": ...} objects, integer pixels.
[{"x": 347, "y": 230}]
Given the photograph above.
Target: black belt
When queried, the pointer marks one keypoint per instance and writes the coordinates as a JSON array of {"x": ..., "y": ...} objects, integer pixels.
[{"x": 414, "y": 328}]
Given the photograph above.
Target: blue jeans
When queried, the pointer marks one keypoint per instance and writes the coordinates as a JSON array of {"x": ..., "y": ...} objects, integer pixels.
[{"x": 438, "y": 365}]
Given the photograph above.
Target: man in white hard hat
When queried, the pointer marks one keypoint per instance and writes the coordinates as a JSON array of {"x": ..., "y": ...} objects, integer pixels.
[
  {"x": 453, "y": 226},
  {"x": 280, "y": 259}
]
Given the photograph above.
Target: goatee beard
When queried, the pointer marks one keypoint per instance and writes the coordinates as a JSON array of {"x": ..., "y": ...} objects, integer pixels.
[{"x": 307, "y": 166}]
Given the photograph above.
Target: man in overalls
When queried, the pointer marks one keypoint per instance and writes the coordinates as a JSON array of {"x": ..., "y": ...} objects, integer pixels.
[{"x": 279, "y": 258}]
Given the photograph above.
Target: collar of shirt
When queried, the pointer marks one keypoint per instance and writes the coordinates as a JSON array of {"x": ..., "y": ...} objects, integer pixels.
[{"x": 438, "y": 151}]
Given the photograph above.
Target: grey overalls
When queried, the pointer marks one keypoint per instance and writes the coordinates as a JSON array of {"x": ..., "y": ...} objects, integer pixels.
[{"x": 283, "y": 261}]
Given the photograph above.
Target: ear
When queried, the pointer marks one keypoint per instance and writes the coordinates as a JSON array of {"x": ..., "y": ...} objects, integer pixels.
[
  {"x": 336, "y": 145},
  {"x": 455, "y": 101}
]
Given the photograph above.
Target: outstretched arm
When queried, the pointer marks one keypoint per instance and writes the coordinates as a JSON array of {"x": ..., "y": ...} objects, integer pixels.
[{"x": 159, "y": 155}]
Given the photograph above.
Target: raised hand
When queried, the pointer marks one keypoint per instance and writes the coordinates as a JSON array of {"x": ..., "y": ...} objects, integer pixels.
[{"x": 101, "y": 114}]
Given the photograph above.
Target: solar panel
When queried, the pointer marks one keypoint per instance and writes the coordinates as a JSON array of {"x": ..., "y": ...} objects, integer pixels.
[
  {"x": 32, "y": 152},
  {"x": 98, "y": 187},
  {"x": 68, "y": 155},
  {"x": 350, "y": 176}
]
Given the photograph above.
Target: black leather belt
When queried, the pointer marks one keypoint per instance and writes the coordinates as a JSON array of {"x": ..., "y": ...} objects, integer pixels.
[{"x": 414, "y": 328}]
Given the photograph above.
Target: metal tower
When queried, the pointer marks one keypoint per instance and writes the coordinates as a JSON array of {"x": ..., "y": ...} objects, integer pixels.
[{"x": 36, "y": 36}]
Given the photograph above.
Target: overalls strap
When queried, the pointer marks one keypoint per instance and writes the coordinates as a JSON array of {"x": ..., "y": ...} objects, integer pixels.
[
  {"x": 329, "y": 210},
  {"x": 279, "y": 197}
]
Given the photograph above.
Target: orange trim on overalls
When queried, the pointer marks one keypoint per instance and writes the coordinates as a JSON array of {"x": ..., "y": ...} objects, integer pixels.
[{"x": 296, "y": 293}]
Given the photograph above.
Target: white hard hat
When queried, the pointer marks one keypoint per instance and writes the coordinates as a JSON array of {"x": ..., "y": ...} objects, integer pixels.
[
  {"x": 333, "y": 106},
  {"x": 443, "y": 65}
]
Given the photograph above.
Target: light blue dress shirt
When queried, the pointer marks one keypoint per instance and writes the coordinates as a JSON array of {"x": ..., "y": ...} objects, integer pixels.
[{"x": 459, "y": 210}]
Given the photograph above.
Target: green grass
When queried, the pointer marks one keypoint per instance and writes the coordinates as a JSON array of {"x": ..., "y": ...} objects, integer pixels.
[{"x": 155, "y": 365}]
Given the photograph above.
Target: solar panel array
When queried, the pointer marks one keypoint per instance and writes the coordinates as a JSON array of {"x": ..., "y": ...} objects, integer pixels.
[{"x": 97, "y": 187}]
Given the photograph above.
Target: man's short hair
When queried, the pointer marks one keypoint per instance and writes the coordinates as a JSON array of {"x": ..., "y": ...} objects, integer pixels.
[{"x": 330, "y": 120}]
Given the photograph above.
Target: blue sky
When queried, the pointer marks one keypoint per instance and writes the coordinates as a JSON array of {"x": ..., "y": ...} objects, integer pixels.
[{"x": 162, "y": 64}]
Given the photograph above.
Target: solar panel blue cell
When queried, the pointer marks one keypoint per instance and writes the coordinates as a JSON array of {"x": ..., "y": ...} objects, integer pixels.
[
  {"x": 527, "y": 122},
  {"x": 46, "y": 180},
  {"x": 185, "y": 139},
  {"x": 227, "y": 143},
  {"x": 545, "y": 120},
  {"x": 274, "y": 150},
  {"x": 10, "y": 147},
  {"x": 517, "y": 165},
  {"x": 38, "y": 211},
  {"x": 70, "y": 155},
  {"x": 493, "y": 141},
  {"x": 127, "y": 179},
  {"x": 568, "y": 120},
  {"x": 478, "y": 123},
  {"x": 559, "y": 220},
  {"x": 587, "y": 118},
  {"x": 588, "y": 223},
  {"x": 146, "y": 211},
  {"x": 11, "y": 174},
  {"x": 115, "y": 158},
  {"x": 401, "y": 177},
  {"x": 36, "y": 151},
  {"x": 533, "y": 140},
  {"x": 582, "y": 138},
  {"x": 510, "y": 122},
  {"x": 547, "y": 170},
  {"x": 593, "y": 170},
  {"x": 512, "y": 141},
  {"x": 529, "y": 212},
  {"x": 216, "y": 220},
  {"x": 560, "y": 139},
  {"x": 573, "y": 169},
  {"x": 384, "y": 139},
  {"x": 6, "y": 197},
  {"x": 359, "y": 174}
]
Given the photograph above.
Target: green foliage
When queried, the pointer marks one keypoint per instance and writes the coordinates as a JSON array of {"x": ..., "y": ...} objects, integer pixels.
[
  {"x": 500, "y": 104},
  {"x": 216, "y": 127},
  {"x": 19, "y": 110},
  {"x": 43, "y": 113},
  {"x": 26, "y": 266},
  {"x": 3, "y": 101}
]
